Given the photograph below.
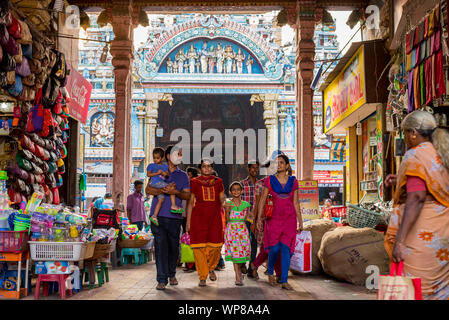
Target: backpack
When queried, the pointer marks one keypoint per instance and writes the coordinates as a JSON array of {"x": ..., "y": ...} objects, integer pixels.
[
  {"x": 50, "y": 92},
  {"x": 105, "y": 219}
]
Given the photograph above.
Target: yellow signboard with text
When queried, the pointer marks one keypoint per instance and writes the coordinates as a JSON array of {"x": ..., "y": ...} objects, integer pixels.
[{"x": 346, "y": 93}]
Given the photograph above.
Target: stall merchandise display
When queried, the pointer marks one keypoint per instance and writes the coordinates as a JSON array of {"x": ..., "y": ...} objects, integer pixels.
[{"x": 33, "y": 77}]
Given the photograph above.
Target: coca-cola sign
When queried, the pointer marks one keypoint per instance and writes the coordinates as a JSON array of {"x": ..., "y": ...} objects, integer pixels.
[{"x": 79, "y": 90}]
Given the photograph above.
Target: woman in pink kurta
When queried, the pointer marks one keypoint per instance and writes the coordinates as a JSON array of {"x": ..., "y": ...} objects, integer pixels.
[{"x": 280, "y": 230}]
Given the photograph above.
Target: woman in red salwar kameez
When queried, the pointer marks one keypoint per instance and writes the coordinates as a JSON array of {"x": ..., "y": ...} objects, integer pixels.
[{"x": 204, "y": 221}]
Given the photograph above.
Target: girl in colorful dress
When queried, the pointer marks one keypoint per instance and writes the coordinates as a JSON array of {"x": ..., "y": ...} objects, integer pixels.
[
  {"x": 237, "y": 245},
  {"x": 204, "y": 221}
]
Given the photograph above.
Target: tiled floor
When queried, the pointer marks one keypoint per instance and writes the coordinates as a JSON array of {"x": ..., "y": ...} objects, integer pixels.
[{"x": 139, "y": 283}]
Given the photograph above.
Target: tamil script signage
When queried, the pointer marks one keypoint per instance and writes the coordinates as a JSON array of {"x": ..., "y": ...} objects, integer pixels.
[
  {"x": 79, "y": 90},
  {"x": 309, "y": 200},
  {"x": 346, "y": 93}
]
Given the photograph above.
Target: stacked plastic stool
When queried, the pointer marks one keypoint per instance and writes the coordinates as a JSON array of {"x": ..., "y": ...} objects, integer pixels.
[
  {"x": 144, "y": 256},
  {"x": 130, "y": 252}
]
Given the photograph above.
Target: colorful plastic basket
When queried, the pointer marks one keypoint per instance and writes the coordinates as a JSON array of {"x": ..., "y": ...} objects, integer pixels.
[{"x": 13, "y": 241}]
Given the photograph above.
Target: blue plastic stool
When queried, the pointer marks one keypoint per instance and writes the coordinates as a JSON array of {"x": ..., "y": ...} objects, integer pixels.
[{"x": 133, "y": 252}]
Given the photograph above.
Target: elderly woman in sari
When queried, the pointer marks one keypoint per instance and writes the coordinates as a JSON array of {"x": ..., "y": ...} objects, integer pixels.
[
  {"x": 418, "y": 233},
  {"x": 204, "y": 221},
  {"x": 280, "y": 230}
]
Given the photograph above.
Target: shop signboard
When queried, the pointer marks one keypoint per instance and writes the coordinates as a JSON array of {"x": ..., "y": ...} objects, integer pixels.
[
  {"x": 322, "y": 155},
  {"x": 346, "y": 93},
  {"x": 328, "y": 176},
  {"x": 380, "y": 163},
  {"x": 309, "y": 199},
  {"x": 79, "y": 90}
]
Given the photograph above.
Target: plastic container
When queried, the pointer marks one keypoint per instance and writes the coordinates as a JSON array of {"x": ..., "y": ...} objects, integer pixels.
[
  {"x": 4, "y": 225},
  {"x": 57, "y": 251},
  {"x": 13, "y": 241}
]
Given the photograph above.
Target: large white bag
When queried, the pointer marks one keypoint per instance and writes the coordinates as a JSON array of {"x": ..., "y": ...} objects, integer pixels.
[{"x": 302, "y": 257}]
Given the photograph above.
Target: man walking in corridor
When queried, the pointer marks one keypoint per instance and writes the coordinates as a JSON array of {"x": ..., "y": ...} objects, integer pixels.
[
  {"x": 249, "y": 185},
  {"x": 166, "y": 235}
]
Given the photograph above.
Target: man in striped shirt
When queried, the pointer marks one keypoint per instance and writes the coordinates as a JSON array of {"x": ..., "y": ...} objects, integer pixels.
[{"x": 248, "y": 195}]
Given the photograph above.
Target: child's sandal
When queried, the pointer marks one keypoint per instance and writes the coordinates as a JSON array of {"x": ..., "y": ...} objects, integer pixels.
[{"x": 153, "y": 221}]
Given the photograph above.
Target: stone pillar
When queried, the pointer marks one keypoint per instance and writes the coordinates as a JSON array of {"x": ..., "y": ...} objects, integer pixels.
[
  {"x": 122, "y": 60},
  {"x": 282, "y": 117},
  {"x": 304, "y": 25},
  {"x": 141, "y": 112},
  {"x": 270, "y": 118}
]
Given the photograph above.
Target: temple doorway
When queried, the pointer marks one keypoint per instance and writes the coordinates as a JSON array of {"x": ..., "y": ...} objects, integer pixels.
[{"x": 218, "y": 112}]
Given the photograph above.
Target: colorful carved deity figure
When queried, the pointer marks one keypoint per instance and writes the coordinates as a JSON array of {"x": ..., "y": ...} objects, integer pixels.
[
  {"x": 169, "y": 66},
  {"x": 249, "y": 64},
  {"x": 211, "y": 59},
  {"x": 192, "y": 56},
  {"x": 203, "y": 57},
  {"x": 180, "y": 57},
  {"x": 240, "y": 57},
  {"x": 220, "y": 58},
  {"x": 175, "y": 67},
  {"x": 186, "y": 66},
  {"x": 229, "y": 56}
]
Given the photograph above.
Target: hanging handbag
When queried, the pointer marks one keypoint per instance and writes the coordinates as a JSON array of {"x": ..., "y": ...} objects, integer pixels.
[
  {"x": 19, "y": 56},
  {"x": 27, "y": 51},
  {"x": 50, "y": 92},
  {"x": 38, "y": 50},
  {"x": 16, "y": 89},
  {"x": 47, "y": 127},
  {"x": 55, "y": 192},
  {"x": 11, "y": 77},
  {"x": 44, "y": 166},
  {"x": 12, "y": 47},
  {"x": 4, "y": 35},
  {"x": 59, "y": 70},
  {"x": 58, "y": 180},
  {"x": 23, "y": 69},
  {"x": 35, "y": 66},
  {"x": 8, "y": 63},
  {"x": 28, "y": 94},
  {"x": 29, "y": 80},
  {"x": 4, "y": 79},
  {"x": 36, "y": 114},
  {"x": 52, "y": 167},
  {"x": 15, "y": 30},
  {"x": 269, "y": 207},
  {"x": 26, "y": 37}
]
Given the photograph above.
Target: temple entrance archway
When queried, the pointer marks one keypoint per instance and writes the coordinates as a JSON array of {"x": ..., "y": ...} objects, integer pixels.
[{"x": 218, "y": 112}]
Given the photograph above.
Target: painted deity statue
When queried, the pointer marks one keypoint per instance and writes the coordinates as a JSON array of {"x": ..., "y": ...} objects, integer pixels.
[
  {"x": 102, "y": 130},
  {"x": 203, "y": 57},
  {"x": 288, "y": 135},
  {"x": 192, "y": 56},
  {"x": 169, "y": 66},
  {"x": 249, "y": 64},
  {"x": 219, "y": 53},
  {"x": 211, "y": 59},
  {"x": 180, "y": 57},
  {"x": 186, "y": 66},
  {"x": 175, "y": 66},
  {"x": 240, "y": 57},
  {"x": 197, "y": 67},
  {"x": 229, "y": 56}
]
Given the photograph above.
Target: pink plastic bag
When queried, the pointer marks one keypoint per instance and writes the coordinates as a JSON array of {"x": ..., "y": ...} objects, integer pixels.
[{"x": 185, "y": 238}]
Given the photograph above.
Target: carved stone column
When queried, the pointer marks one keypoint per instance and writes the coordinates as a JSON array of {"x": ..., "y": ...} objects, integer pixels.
[
  {"x": 282, "y": 116},
  {"x": 305, "y": 51},
  {"x": 141, "y": 112},
  {"x": 270, "y": 117},
  {"x": 122, "y": 60}
]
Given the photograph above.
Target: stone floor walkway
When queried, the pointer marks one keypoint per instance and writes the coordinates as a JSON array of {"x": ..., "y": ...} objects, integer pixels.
[{"x": 139, "y": 283}]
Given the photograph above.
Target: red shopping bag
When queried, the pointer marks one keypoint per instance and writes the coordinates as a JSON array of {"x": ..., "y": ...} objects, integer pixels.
[{"x": 398, "y": 287}]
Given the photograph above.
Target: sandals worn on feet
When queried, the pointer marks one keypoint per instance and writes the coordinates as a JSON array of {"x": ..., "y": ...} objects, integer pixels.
[
  {"x": 212, "y": 276},
  {"x": 254, "y": 273},
  {"x": 202, "y": 283},
  {"x": 286, "y": 286},
  {"x": 160, "y": 286},
  {"x": 272, "y": 280},
  {"x": 173, "y": 281}
]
